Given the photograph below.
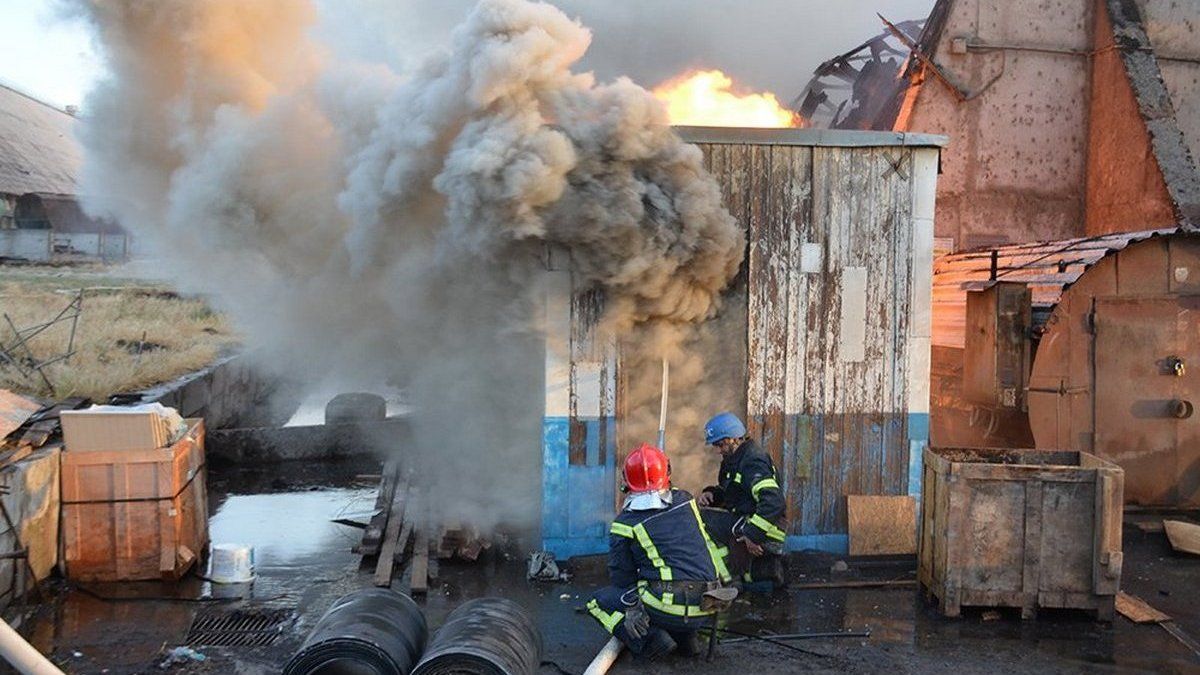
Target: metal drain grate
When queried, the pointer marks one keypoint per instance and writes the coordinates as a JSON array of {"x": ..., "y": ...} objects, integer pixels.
[{"x": 237, "y": 627}]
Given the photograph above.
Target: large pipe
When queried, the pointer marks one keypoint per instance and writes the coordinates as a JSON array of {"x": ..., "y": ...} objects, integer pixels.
[
  {"x": 605, "y": 658},
  {"x": 22, "y": 656},
  {"x": 374, "y": 631},
  {"x": 488, "y": 636}
]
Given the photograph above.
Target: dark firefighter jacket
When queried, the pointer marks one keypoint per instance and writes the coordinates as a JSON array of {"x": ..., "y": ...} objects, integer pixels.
[
  {"x": 663, "y": 545},
  {"x": 749, "y": 488}
]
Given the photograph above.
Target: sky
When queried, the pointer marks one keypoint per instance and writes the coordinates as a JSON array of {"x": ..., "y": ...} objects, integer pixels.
[
  {"x": 45, "y": 55},
  {"x": 771, "y": 45}
]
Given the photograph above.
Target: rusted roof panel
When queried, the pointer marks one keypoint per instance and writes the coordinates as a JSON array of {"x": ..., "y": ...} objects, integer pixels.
[
  {"x": 1048, "y": 267},
  {"x": 14, "y": 409}
]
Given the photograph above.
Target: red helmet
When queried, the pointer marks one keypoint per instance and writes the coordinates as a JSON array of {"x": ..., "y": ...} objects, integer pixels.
[{"x": 646, "y": 469}]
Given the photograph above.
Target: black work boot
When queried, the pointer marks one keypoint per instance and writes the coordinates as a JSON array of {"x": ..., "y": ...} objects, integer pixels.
[
  {"x": 657, "y": 645},
  {"x": 688, "y": 643}
]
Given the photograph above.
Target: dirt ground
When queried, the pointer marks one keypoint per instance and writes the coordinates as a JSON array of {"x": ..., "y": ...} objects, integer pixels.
[
  {"x": 304, "y": 563},
  {"x": 133, "y": 332}
]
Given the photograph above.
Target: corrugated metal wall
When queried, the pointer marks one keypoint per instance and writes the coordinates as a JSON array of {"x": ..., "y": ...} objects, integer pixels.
[{"x": 840, "y": 260}]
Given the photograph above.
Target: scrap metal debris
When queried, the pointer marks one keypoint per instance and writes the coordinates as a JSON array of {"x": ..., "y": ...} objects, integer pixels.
[
  {"x": 543, "y": 567},
  {"x": 19, "y": 355}
]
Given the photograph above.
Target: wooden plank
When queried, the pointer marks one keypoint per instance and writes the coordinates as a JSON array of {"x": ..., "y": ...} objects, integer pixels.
[
  {"x": 1137, "y": 610},
  {"x": 373, "y": 533},
  {"x": 402, "y": 541},
  {"x": 1184, "y": 536},
  {"x": 882, "y": 525},
  {"x": 391, "y": 539},
  {"x": 420, "y": 565}
]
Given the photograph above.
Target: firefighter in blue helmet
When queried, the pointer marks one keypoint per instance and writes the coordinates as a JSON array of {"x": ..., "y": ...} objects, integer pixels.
[
  {"x": 748, "y": 504},
  {"x": 661, "y": 563}
]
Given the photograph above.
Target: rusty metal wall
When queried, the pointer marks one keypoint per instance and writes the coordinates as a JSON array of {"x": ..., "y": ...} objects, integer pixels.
[
  {"x": 837, "y": 325},
  {"x": 1105, "y": 380}
]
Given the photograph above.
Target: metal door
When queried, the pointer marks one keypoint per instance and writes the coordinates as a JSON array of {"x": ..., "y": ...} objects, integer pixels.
[{"x": 1145, "y": 363}]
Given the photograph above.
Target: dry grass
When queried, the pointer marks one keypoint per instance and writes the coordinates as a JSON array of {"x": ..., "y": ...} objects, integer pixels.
[{"x": 180, "y": 334}]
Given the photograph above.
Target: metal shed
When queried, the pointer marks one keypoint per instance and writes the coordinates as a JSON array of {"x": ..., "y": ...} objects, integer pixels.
[
  {"x": 1114, "y": 331},
  {"x": 832, "y": 312}
]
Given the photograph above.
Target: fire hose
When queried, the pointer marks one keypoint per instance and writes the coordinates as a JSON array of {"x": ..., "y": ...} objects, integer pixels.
[
  {"x": 22, "y": 656},
  {"x": 382, "y": 631},
  {"x": 374, "y": 630},
  {"x": 488, "y": 636}
]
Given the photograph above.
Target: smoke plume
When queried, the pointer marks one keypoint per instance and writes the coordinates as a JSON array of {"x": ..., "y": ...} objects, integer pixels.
[{"x": 364, "y": 225}]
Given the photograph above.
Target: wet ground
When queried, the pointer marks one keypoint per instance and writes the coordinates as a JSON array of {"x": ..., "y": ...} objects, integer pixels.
[{"x": 304, "y": 562}]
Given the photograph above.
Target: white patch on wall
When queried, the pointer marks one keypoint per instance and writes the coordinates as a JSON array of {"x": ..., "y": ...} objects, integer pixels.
[
  {"x": 810, "y": 258},
  {"x": 853, "y": 336},
  {"x": 587, "y": 389}
]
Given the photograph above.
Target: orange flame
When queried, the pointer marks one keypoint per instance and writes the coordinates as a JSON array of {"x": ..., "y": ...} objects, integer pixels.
[{"x": 704, "y": 98}]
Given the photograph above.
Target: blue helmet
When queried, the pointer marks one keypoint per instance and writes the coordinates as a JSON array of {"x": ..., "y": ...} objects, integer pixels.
[{"x": 725, "y": 425}]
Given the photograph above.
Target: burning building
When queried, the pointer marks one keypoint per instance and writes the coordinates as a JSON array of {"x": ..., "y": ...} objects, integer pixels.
[
  {"x": 824, "y": 338},
  {"x": 1067, "y": 118}
]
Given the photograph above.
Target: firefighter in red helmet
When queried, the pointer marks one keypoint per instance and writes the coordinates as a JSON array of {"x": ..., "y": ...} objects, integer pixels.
[{"x": 661, "y": 562}]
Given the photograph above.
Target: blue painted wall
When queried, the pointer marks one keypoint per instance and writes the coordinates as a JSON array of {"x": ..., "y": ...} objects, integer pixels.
[{"x": 577, "y": 500}]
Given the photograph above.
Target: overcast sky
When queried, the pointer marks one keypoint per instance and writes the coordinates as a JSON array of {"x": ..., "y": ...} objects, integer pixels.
[{"x": 764, "y": 44}]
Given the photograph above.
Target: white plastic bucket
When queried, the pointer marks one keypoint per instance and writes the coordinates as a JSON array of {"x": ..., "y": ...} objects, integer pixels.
[{"x": 230, "y": 564}]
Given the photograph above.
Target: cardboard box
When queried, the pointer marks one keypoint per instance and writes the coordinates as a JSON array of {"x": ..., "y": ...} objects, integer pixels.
[
  {"x": 90, "y": 431},
  {"x": 133, "y": 515}
]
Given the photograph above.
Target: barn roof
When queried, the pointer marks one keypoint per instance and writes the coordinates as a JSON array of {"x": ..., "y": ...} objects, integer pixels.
[{"x": 38, "y": 149}]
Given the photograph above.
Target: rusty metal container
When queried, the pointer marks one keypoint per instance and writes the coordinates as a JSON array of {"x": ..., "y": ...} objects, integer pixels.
[{"x": 1021, "y": 528}]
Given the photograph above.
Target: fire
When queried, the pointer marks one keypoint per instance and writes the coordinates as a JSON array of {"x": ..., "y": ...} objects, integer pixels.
[{"x": 705, "y": 98}]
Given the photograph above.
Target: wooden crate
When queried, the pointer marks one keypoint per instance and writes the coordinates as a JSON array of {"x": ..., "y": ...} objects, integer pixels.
[
  {"x": 137, "y": 514},
  {"x": 1020, "y": 528}
]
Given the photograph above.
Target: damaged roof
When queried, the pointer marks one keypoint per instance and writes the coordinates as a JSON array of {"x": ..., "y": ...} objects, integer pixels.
[
  {"x": 38, "y": 148},
  {"x": 1048, "y": 268}
]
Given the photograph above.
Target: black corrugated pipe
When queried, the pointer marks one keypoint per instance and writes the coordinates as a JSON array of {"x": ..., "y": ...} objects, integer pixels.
[
  {"x": 488, "y": 636},
  {"x": 374, "y": 631}
]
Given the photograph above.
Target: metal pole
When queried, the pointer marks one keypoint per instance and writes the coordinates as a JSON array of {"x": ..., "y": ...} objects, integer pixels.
[{"x": 662, "y": 412}]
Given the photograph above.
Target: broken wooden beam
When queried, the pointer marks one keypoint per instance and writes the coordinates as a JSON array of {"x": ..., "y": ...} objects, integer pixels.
[
  {"x": 391, "y": 539},
  {"x": 377, "y": 527},
  {"x": 1137, "y": 610}
]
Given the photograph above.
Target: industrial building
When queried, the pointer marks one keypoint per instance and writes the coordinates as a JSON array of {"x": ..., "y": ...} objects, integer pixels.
[{"x": 40, "y": 159}]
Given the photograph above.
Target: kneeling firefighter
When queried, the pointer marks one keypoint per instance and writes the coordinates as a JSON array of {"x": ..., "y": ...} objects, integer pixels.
[
  {"x": 749, "y": 505},
  {"x": 661, "y": 563}
]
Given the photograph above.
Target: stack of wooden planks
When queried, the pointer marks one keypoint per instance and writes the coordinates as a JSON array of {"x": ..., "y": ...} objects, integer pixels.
[
  {"x": 462, "y": 542},
  {"x": 403, "y": 532}
]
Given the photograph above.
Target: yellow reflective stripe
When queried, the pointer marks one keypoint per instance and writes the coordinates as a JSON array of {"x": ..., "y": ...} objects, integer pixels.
[
  {"x": 767, "y": 527},
  {"x": 667, "y": 607},
  {"x": 737, "y": 477},
  {"x": 606, "y": 619},
  {"x": 762, "y": 485},
  {"x": 651, "y": 550},
  {"x": 713, "y": 552},
  {"x": 621, "y": 530}
]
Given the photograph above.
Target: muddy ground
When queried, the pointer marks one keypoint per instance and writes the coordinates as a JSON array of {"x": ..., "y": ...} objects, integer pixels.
[{"x": 305, "y": 562}]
